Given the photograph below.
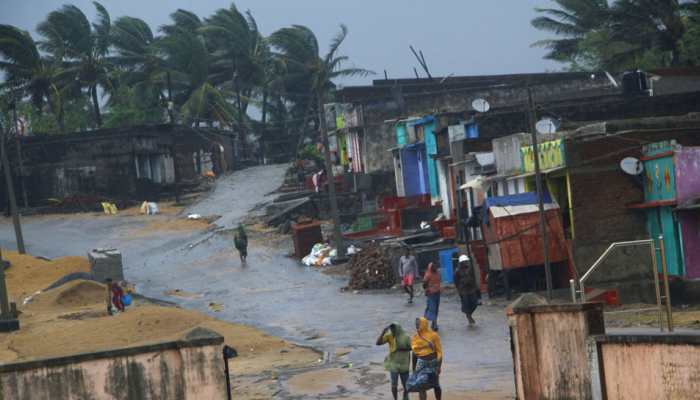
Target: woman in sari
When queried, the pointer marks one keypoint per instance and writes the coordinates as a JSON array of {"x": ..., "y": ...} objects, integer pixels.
[{"x": 427, "y": 361}]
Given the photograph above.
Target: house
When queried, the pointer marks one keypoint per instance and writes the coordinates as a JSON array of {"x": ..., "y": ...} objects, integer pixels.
[
  {"x": 399, "y": 99},
  {"x": 122, "y": 163}
]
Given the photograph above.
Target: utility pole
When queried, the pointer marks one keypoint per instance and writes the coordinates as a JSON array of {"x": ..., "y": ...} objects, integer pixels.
[
  {"x": 18, "y": 148},
  {"x": 11, "y": 193},
  {"x": 540, "y": 192},
  {"x": 171, "y": 120},
  {"x": 337, "y": 235}
]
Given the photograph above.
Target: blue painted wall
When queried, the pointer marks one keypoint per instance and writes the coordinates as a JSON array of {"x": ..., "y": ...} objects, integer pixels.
[
  {"x": 415, "y": 170},
  {"x": 431, "y": 150},
  {"x": 401, "y": 134}
]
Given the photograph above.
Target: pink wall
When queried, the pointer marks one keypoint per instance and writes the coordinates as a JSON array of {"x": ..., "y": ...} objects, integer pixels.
[
  {"x": 634, "y": 371},
  {"x": 687, "y": 161},
  {"x": 549, "y": 349},
  {"x": 690, "y": 231},
  {"x": 183, "y": 370}
]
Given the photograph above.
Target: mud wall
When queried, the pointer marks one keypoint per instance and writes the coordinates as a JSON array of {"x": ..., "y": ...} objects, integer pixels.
[
  {"x": 549, "y": 349},
  {"x": 180, "y": 370},
  {"x": 647, "y": 366}
]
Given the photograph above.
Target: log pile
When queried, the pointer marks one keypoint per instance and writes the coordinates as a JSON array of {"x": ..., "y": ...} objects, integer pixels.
[{"x": 371, "y": 269}]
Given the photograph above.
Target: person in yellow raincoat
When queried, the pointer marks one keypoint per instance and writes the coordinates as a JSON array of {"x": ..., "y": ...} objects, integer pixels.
[
  {"x": 427, "y": 361},
  {"x": 398, "y": 361}
]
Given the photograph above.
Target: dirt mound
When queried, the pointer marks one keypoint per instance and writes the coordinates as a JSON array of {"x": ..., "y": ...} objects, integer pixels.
[
  {"x": 371, "y": 269},
  {"x": 75, "y": 294},
  {"x": 28, "y": 274},
  {"x": 81, "y": 294}
]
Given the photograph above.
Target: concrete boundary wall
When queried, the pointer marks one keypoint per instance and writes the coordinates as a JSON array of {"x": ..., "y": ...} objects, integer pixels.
[
  {"x": 187, "y": 369},
  {"x": 634, "y": 367},
  {"x": 549, "y": 349}
]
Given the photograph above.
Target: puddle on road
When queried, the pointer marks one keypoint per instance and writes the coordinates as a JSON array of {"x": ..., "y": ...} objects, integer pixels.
[
  {"x": 183, "y": 294},
  {"x": 323, "y": 383}
]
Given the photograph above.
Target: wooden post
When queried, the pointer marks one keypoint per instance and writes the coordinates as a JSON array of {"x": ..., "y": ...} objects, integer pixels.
[
  {"x": 667, "y": 297},
  {"x": 337, "y": 235}
]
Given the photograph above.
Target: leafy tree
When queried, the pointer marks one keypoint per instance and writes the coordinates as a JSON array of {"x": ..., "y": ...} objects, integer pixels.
[
  {"x": 130, "y": 106},
  {"x": 300, "y": 52},
  {"x": 29, "y": 74},
  {"x": 573, "y": 21},
  {"x": 82, "y": 49},
  {"x": 188, "y": 60},
  {"x": 628, "y": 34},
  {"x": 649, "y": 25},
  {"x": 137, "y": 54}
]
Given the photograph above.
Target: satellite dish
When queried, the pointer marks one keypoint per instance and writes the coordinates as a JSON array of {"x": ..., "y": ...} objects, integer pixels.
[
  {"x": 481, "y": 105},
  {"x": 631, "y": 166},
  {"x": 547, "y": 125}
]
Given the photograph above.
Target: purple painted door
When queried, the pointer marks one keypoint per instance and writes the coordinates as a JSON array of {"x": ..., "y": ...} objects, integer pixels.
[{"x": 690, "y": 232}]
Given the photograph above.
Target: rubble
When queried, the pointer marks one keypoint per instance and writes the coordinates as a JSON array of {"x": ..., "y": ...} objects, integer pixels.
[{"x": 371, "y": 269}]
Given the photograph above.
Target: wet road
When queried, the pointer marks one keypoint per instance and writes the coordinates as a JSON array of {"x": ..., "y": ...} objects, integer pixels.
[{"x": 274, "y": 292}]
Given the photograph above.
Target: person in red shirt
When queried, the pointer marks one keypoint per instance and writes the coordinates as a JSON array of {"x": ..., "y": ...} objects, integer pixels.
[
  {"x": 431, "y": 284},
  {"x": 117, "y": 292}
]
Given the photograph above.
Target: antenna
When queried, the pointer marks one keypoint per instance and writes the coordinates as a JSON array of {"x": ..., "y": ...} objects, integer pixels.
[
  {"x": 611, "y": 79},
  {"x": 421, "y": 61},
  {"x": 446, "y": 78},
  {"x": 386, "y": 76},
  {"x": 415, "y": 71}
]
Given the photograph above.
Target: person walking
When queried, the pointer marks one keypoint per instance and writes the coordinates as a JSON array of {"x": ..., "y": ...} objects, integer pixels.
[
  {"x": 408, "y": 270},
  {"x": 240, "y": 240},
  {"x": 465, "y": 282},
  {"x": 426, "y": 361},
  {"x": 431, "y": 285},
  {"x": 397, "y": 362}
]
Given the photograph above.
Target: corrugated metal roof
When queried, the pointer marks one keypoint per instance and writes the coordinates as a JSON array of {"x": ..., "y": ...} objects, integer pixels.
[{"x": 509, "y": 211}]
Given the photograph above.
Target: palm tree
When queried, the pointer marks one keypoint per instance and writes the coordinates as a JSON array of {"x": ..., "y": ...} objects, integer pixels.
[
  {"x": 188, "y": 61},
  {"x": 572, "y": 22},
  {"x": 649, "y": 25},
  {"x": 27, "y": 73},
  {"x": 235, "y": 42},
  {"x": 81, "y": 47},
  {"x": 137, "y": 54},
  {"x": 300, "y": 52}
]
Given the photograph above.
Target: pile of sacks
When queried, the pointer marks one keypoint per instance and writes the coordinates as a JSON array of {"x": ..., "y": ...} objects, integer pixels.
[{"x": 321, "y": 255}]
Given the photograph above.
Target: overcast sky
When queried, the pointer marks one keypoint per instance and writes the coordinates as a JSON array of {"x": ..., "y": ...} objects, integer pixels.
[{"x": 464, "y": 37}]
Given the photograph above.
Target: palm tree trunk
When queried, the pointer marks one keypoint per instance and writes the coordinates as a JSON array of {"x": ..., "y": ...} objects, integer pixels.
[
  {"x": 57, "y": 111},
  {"x": 302, "y": 128},
  {"x": 675, "y": 56},
  {"x": 337, "y": 235},
  {"x": 96, "y": 105},
  {"x": 264, "y": 113}
]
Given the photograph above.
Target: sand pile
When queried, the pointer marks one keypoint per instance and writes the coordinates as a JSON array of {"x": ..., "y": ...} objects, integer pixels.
[
  {"x": 166, "y": 224},
  {"x": 29, "y": 274},
  {"x": 72, "y": 318},
  {"x": 45, "y": 334},
  {"x": 74, "y": 294}
]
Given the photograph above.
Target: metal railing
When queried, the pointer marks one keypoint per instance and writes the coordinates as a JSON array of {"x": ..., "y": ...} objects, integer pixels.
[{"x": 655, "y": 274}]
